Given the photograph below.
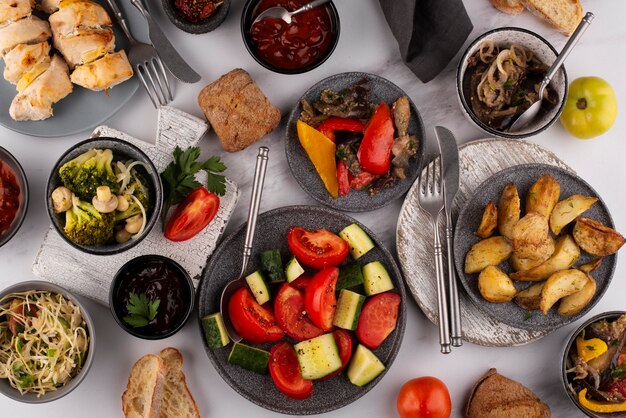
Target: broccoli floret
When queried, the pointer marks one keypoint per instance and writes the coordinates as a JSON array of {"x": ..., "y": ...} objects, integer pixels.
[
  {"x": 137, "y": 187},
  {"x": 84, "y": 225},
  {"x": 85, "y": 173}
]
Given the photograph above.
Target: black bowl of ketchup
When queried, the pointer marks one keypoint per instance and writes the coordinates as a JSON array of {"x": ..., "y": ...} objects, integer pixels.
[
  {"x": 158, "y": 278},
  {"x": 13, "y": 196},
  {"x": 293, "y": 48}
]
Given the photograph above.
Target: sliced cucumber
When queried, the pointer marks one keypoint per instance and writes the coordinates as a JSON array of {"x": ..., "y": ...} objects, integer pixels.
[
  {"x": 377, "y": 278},
  {"x": 250, "y": 358},
  {"x": 293, "y": 270},
  {"x": 259, "y": 287},
  {"x": 214, "y": 331},
  {"x": 364, "y": 366},
  {"x": 359, "y": 242},
  {"x": 348, "y": 309},
  {"x": 318, "y": 357},
  {"x": 350, "y": 275},
  {"x": 273, "y": 265}
]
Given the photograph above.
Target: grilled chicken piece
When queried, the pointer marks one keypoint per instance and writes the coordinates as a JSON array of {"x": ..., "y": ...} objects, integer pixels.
[
  {"x": 108, "y": 71},
  {"x": 11, "y": 10},
  {"x": 85, "y": 46},
  {"x": 35, "y": 101},
  {"x": 24, "y": 57},
  {"x": 49, "y": 6},
  {"x": 29, "y": 30},
  {"x": 80, "y": 14}
]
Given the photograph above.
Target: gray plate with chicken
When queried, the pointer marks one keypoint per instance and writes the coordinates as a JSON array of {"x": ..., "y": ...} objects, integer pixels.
[
  {"x": 357, "y": 96},
  {"x": 59, "y": 66}
]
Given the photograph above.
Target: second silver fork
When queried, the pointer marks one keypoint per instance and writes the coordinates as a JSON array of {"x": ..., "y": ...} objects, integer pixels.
[{"x": 430, "y": 199}]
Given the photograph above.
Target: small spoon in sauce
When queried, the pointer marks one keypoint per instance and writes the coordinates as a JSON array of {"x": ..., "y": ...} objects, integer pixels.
[
  {"x": 253, "y": 211},
  {"x": 531, "y": 113},
  {"x": 279, "y": 12}
]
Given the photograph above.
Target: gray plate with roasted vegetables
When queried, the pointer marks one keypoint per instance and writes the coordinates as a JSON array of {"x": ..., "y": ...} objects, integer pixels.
[
  {"x": 356, "y": 96},
  {"x": 544, "y": 269},
  {"x": 272, "y": 234}
]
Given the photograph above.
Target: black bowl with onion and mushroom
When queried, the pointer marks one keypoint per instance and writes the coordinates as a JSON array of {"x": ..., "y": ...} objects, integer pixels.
[
  {"x": 104, "y": 196},
  {"x": 498, "y": 78}
]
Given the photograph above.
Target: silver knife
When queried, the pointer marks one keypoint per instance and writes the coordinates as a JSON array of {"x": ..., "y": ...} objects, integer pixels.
[
  {"x": 450, "y": 163},
  {"x": 172, "y": 59}
]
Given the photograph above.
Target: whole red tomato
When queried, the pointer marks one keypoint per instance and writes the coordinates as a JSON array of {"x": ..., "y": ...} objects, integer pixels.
[{"x": 424, "y": 397}]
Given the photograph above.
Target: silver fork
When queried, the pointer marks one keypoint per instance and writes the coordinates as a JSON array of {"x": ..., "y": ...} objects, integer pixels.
[
  {"x": 148, "y": 66},
  {"x": 430, "y": 200}
]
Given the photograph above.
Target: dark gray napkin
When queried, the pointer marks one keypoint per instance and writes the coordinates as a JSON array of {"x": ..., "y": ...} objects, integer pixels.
[{"x": 429, "y": 32}]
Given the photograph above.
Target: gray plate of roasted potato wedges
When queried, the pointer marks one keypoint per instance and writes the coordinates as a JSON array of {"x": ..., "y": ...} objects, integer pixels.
[{"x": 535, "y": 247}]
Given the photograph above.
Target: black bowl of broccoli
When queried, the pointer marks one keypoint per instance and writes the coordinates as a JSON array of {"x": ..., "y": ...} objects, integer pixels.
[{"x": 103, "y": 196}]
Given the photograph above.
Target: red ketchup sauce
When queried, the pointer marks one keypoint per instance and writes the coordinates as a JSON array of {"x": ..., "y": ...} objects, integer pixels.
[
  {"x": 299, "y": 44},
  {"x": 9, "y": 197}
]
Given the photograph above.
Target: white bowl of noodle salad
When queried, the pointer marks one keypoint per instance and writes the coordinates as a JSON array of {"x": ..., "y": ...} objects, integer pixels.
[{"x": 47, "y": 342}]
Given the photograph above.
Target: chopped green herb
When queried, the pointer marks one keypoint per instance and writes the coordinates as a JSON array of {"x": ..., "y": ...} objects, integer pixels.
[
  {"x": 619, "y": 372},
  {"x": 591, "y": 348},
  {"x": 615, "y": 342},
  {"x": 141, "y": 310},
  {"x": 527, "y": 316}
]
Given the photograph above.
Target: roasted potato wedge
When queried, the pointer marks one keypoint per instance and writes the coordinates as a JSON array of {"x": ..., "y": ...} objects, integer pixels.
[
  {"x": 530, "y": 297},
  {"x": 495, "y": 286},
  {"x": 595, "y": 238},
  {"x": 590, "y": 266},
  {"x": 574, "y": 303},
  {"x": 488, "y": 252},
  {"x": 508, "y": 210},
  {"x": 531, "y": 238},
  {"x": 489, "y": 221},
  {"x": 543, "y": 196},
  {"x": 566, "y": 252},
  {"x": 523, "y": 264},
  {"x": 560, "y": 284},
  {"x": 567, "y": 210}
]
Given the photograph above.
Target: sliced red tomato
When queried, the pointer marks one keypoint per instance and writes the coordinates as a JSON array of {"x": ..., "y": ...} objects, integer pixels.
[
  {"x": 343, "y": 178},
  {"x": 192, "y": 215},
  {"x": 252, "y": 321},
  {"x": 317, "y": 249},
  {"x": 362, "y": 180},
  {"x": 320, "y": 300},
  {"x": 301, "y": 282},
  {"x": 378, "y": 319},
  {"x": 16, "y": 325},
  {"x": 375, "y": 150},
  {"x": 343, "y": 339},
  {"x": 291, "y": 315},
  {"x": 285, "y": 372}
]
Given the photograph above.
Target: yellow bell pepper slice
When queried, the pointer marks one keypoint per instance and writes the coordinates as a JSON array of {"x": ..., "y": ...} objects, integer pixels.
[
  {"x": 601, "y": 407},
  {"x": 590, "y": 349},
  {"x": 321, "y": 152}
]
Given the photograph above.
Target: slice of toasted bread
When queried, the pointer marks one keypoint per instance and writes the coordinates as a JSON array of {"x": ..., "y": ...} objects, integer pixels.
[
  {"x": 564, "y": 15},
  {"x": 512, "y": 7},
  {"x": 495, "y": 396},
  {"x": 144, "y": 391},
  {"x": 177, "y": 399}
]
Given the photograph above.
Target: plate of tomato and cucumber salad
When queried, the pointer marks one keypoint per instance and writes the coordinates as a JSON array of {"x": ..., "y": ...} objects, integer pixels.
[
  {"x": 322, "y": 315},
  {"x": 354, "y": 142}
]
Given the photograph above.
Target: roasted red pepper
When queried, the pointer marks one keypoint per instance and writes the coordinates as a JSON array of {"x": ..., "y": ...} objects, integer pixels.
[
  {"x": 335, "y": 123},
  {"x": 362, "y": 180},
  {"x": 343, "y": 178},
  {"x": 375, "y": 150}
]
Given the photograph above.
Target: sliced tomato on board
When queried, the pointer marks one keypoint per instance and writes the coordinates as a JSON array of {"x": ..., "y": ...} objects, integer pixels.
[
  {"x": 291, "y": 315},
  {"x": 317, "y": 249},
  {"x": 285, "y": 372},
  {"x": 378, "y": 319},
  {"x": 252, "y": 321},
  {"x": 343, "y": 178},
  {"x": 192, "y": 215},
  {"x": 375, "y": 150},
  {"x": 320, "y": 300},
  {"x": 343, "y": 339},
  {"x": 301, "y": 283}
]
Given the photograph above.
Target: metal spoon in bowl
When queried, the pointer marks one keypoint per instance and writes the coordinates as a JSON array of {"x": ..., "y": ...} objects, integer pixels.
[
  {"x": 253, "y": 211},
  {"x": 279, "y": 12},
  {"x": 531, "y": 113}
]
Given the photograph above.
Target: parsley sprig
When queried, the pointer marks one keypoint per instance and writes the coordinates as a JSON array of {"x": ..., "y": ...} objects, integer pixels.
[
  {"x": 141, "y": 310},
  {"x": 179, "y": 177}
]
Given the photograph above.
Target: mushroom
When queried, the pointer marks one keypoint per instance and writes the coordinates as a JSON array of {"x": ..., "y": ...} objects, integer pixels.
[
  {"x": 61, "y": 199},
  {"x": 133, "y": 224},
  {"x": 104, "y": 201},
  {"x": 122, "y": 203},
  {"x": 122, "y": 235}
]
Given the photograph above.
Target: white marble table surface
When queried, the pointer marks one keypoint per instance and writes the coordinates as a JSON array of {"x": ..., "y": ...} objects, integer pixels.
[{"x": 366, "y": 44}]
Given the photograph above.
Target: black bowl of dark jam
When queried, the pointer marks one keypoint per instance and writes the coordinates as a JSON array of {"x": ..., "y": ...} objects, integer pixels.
[
  {"x": 151, "y": 297},
  {"x": 293, "y": 48}
]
